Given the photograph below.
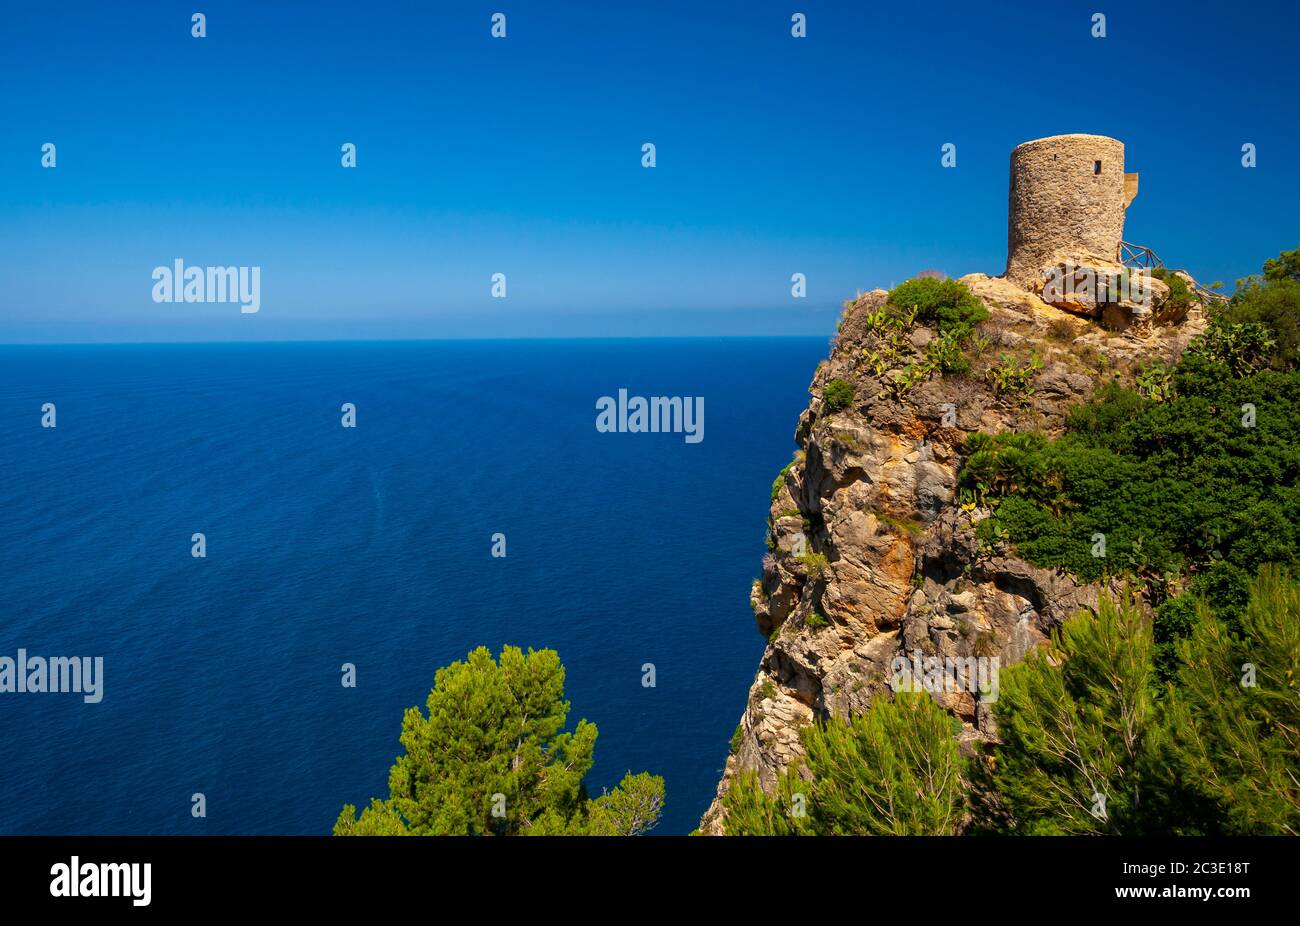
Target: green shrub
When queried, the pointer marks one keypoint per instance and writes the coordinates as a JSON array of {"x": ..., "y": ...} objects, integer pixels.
[
  {"x": 1155, "y": 381},
  {"x": 1181, "y": 295},
  {"x": 1095, "y": 740},
  {"x": 1174, "y": 620},
  {"x": 779, "y": 482},
  {"x": 848, "y": 440},
  {"x": 1011, "y": 378},
  {"x": 1286, "y": 266},
  {"x": 946, "y": 305},
  {"x": 945, "y": 353},
  {"x": 816, "y": 563},
  {"x": 1274, "y": 305},
  {"x": 1179, "y": 486},
  {"x": 1092, "y": 740},
  {"x": 814, "y": 621},
  {"x": 1241, "y": 347},
  {"x": 910, "y": 528},
  {"x": 893, "y": 770},
  {"x": 1271, "y": 300},
  {"x": 1234, "y": 714},
  {"x": 838, "y": 394},
  {"x": 737, "y": 738},
  {"x": 1078, "y": 729}
]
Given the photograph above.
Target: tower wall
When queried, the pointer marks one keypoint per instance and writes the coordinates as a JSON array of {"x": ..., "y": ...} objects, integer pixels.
[{"x": 1067, "y": 202}]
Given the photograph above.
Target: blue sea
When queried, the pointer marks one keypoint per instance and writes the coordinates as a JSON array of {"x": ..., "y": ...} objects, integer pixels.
[{"x": 369, "y": 546}]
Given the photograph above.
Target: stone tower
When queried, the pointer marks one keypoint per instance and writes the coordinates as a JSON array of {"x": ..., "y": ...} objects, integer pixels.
[{"x": 1067, "y": 202}]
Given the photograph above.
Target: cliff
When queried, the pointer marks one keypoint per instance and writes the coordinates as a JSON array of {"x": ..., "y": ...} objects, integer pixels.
[{"x": 873, "y": 552}]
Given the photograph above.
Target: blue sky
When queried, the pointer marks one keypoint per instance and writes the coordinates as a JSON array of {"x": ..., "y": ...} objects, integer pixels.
[{"x": 523, "y": 156}]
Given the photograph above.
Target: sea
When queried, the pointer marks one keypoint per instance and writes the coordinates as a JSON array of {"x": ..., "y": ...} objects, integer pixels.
[{"x": 631, "y": 554}]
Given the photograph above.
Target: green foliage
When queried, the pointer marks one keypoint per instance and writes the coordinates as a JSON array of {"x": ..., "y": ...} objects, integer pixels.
[
  {"x": 1174, "y": 620},
  {"x": 1011, "y": 378},
  {"x": 889, "y": 346},
  {"x": 838, "y": 394},
  {"x": 1213, "y": 749},
  {"x": 737, "y": 738},
  {"x": 753, "y": 812},
  {"x": 1155, "y": 381},
  {"x": 1242, "y": 348},
  {"x": 1008, "y": 462},
  {"x": 498, "y": 729},
  {"x": 1261, "y": 323},
  {"x": 779, "y": 482},
  {"x": 1235, "y": 712},
  {"x": 893, "y": 770},
  {"x": 1078, "y": 729},
  {"x": 945, "y": 353},
  {"x": 946, "y": 305},
  {"x": 1091, "y": 739},
  {"x": 1273, "y": 305},
  {"x": 1181, "y": 296},
  {"x": 901, "y": 382},
  {"x": 1286, "y": 266},
  {"x": 1175, "y": 486},
  {"x": 848, "y": 440},
  {"x": 631, "y": 809},
  {"x": 815, "y": 621},
  {"x": 816, "y": 564},
  {"x": 910, "y": 528}
]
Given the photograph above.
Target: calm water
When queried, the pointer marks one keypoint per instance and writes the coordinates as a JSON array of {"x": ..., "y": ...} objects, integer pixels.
[{"x": 369, "y": 546}]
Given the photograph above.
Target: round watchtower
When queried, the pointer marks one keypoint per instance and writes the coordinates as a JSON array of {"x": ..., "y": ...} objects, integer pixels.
[{"x": 1067, "y": 201}]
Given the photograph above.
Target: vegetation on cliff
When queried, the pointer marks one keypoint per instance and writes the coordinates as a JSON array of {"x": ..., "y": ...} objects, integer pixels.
[
  {"x": 1186, "y": 483},
  {"x": 947, "y": 305},
  {"x": 892, "y": 771},
  {"x": 1091, "y": 741},
  {"x": 492, "y": 758},
  {"x": 1271, "y": 301},
  {"x": 1173, "y": 709},
  {"x": 1152, "y": 488}
]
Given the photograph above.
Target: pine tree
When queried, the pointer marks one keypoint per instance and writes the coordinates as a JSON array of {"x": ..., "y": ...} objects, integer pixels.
[
  {"x": 492, "y": 757},
  {"x": 892, "y": 770},
  {"x": 1079, "y": 728},
  {"x": 1235, "y": 713}
]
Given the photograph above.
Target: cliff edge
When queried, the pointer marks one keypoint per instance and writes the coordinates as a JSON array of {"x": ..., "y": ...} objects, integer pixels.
[{"x": 873, "y": 553}]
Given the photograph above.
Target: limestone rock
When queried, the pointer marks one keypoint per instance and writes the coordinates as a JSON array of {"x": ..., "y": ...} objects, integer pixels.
[{"x": 874, "y": 493}]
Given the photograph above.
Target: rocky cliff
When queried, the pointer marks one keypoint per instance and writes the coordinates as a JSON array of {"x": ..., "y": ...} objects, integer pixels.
[{"x": 873, "y": 552}]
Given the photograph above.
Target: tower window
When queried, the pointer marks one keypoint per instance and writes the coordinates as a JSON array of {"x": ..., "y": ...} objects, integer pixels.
[{"x": 1096, "y": 167}]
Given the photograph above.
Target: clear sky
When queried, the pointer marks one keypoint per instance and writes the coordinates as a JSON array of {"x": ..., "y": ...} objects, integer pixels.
[{"x": 522, "y": 155}]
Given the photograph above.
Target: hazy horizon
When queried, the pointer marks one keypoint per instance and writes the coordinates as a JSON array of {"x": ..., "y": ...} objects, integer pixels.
[{"x": 383, "y": 340}]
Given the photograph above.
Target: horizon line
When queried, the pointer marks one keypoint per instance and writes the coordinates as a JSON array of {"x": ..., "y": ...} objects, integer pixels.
[{"x": 577, "y": 337}]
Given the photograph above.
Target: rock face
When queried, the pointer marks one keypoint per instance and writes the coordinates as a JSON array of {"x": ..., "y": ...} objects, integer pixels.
[
  {"x": 1118, "y": 295},
  {"x": 874, "y": 556}
]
